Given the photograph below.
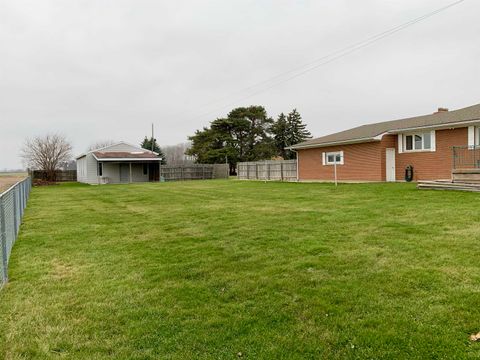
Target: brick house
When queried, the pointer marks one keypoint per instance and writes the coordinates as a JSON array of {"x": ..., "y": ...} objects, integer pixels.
[{"x": 433, "y": 144}]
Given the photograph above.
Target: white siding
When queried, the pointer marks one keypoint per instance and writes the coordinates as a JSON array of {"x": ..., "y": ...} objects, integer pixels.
[
  {"x": 84, "y": 168},
  {"x": 137, "y": 173},
  {"x": 400, "y": 143},
  {"x": 112, "y": 172},
  {"x": 92, "y": 177},
  {"x": 81, "y": 169},
  {"x": 471, "y": 136},
  {"x": 87, "y": 169}
]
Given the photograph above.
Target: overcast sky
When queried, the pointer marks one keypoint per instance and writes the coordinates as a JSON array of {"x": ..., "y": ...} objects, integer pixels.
[{"x": 99, "y": 69}]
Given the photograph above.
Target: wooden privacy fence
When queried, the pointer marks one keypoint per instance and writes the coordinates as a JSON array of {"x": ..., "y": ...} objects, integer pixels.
[
  {"x": 168, "y": 173},
  {"x": 194, "y": 172},
  {"x": 280, "y": 170},
  {"x": 60, "y": 175}
]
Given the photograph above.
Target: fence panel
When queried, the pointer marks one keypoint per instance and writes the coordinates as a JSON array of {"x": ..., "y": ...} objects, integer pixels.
[
  {"x": 194, "y": 172},
  {"x": 12, "y": 206},
  {"x": 277, "y": 170},
  {"x": 60, "y": 175}
]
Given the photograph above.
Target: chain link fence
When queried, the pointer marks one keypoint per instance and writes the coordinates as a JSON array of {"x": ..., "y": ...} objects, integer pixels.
[{"x": 12, "y": 206}]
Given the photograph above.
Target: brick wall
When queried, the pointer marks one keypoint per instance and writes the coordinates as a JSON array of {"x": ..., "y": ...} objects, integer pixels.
[
  {"x": 433, "y": 165},
  {"x": 367, "y": 161},
  {"x": 361, "y": 162}
]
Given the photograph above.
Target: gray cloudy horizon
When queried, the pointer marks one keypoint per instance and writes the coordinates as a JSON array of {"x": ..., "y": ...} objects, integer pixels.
[{"x": 101, "y": 70}]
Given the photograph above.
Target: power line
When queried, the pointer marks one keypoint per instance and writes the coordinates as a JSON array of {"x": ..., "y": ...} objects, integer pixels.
[{"x": 324, "y": 60}]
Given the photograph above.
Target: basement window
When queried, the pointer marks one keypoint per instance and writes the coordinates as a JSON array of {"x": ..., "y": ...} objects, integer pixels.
[{"x": 418, "y": 142}]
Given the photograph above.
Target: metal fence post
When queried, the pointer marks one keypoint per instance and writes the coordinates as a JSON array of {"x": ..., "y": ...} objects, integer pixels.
[
  {"x": 3, "y": 240},
  {"x": 21, "y": 189},
  {"x": 15, "y": 209},
  {"x": 25, "y": 195}
]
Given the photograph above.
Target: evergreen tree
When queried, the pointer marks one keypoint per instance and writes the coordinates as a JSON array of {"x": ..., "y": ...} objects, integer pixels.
[
  {"x": 147, "y": 144},
  {"x": 257, "y": 143},
  {"x": 297, "y": 130},
  {"x": 280, "y": 135},
  {"x": 244, "y": 135},
  {"x": 287, "y": 131}
]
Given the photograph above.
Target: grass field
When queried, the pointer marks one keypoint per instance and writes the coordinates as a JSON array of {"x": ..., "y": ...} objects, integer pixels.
[{"x": 230, "y": 269}]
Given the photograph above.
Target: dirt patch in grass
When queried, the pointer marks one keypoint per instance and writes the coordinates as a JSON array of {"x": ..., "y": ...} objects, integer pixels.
[{"x": 7, "y": 181}]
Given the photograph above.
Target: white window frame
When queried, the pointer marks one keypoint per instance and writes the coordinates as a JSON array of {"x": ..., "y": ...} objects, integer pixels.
[
  {"x": 421, "y": 134},
  {"x": 325, "y": 156},
  {"x": 477, "y": 136}
]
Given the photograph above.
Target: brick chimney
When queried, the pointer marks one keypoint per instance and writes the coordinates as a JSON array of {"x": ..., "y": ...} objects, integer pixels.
[{"x": 441, "y": 110}]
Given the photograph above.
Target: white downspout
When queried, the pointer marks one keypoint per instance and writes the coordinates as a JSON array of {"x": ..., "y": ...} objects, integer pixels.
[{"x": 296, "y": 153}]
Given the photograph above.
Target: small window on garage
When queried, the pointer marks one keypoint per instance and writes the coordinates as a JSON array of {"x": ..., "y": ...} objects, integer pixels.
[
  {"x": 145, "y": 169},
  {"x": 332, "y": 158}
]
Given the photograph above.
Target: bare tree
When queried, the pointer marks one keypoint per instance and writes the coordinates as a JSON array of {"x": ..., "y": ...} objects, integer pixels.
[
  {"x": 100, "y": 144},
  {"x": 175, "y": 154},
  {"x": 46, "y": 153}
]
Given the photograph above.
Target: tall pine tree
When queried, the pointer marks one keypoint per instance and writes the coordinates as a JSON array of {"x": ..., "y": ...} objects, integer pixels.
[
  {"x": 297, "y": 130},
  {"x": 287, "y": 131},
  {"x": 244, "y": 135},
  {"x": 147, "y": 144},
  {"x": 280, "y": 135}
]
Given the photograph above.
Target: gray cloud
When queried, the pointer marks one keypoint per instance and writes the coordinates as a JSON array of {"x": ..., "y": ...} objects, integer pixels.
[{"x": 108, "y": 69}]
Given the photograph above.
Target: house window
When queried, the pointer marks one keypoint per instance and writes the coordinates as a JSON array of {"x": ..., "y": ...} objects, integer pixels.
[
  {"x": 145, "y": 169},
  {"x": 331, "y": 158},
  {"x": 418, "y": 142},
  {"x": 100, "y": 169}
]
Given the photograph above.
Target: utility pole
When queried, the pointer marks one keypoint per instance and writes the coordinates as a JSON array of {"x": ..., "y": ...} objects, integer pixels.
[{"x": 153, "y": 139}]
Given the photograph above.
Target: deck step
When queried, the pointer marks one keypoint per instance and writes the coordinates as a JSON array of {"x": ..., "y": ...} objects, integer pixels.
[
  {"x": 447, "y": 185},
  {"x": 471, "y": 176}
]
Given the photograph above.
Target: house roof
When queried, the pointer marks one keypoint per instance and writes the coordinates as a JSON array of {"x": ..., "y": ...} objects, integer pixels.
[
  {"x": 372, "y": 132},
  {"x": 113, "y": 145},
  {"x": 115, "y": 155}
]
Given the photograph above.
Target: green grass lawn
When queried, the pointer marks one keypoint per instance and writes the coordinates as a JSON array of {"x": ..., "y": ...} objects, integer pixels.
[{"x": 212, "y": 269}]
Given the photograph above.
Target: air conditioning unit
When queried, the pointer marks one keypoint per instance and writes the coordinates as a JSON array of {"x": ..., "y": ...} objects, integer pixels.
[{"x": 104, "y": 180}]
